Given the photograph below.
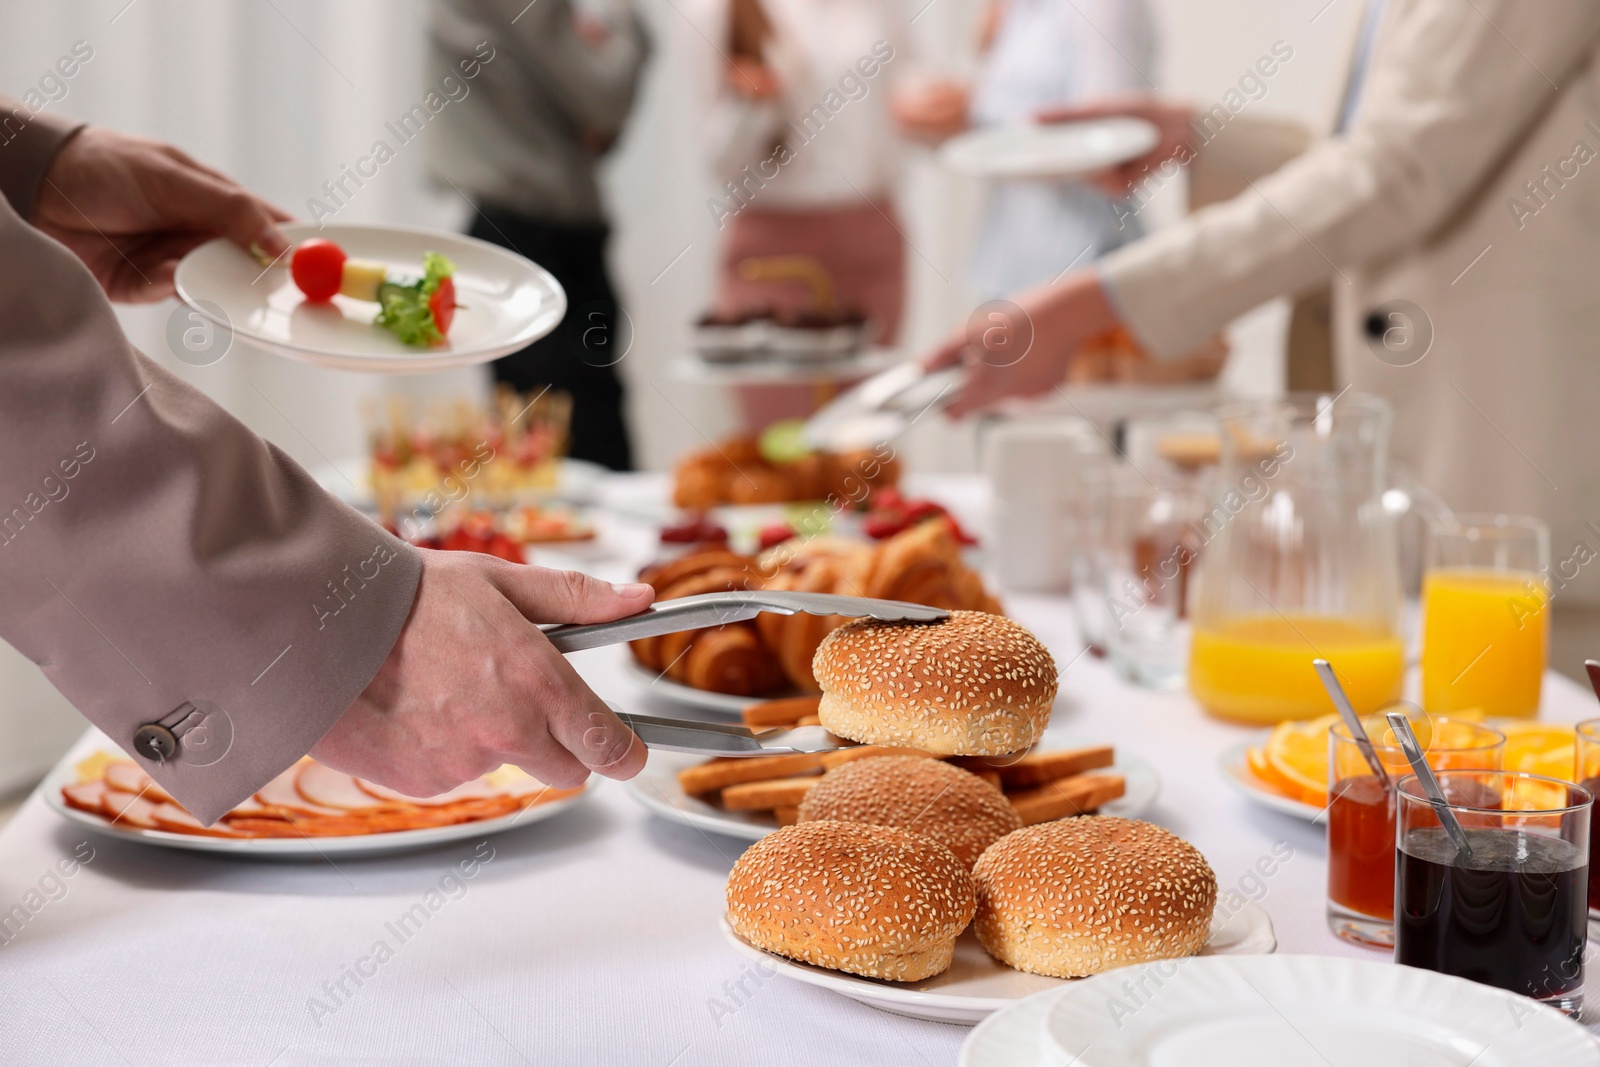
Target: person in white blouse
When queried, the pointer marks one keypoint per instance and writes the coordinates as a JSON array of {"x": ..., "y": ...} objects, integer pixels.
[
  {"x": 796, "y": 127},
  {"x": 1453, "y": 210},
  {"x": 1039, "y": 56}
]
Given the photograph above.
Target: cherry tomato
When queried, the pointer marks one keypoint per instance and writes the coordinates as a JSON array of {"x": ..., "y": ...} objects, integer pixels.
[
  {"x": 775, "y": 534},
  {"x": 443, "y": 304},
  {"x": 879, "y": 527},
  {"x": 317, "y": 268}
]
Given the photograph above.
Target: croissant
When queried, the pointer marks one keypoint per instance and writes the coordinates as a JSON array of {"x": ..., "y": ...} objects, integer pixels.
[
  {"x": 734, "y": 471},
  {"x": 710, "y": 571},
  {"x": 760, "y": 658},
  {"x": 731, "y": 659}
]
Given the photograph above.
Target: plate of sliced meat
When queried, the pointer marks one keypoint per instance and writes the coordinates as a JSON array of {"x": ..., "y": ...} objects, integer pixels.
[{"x": 310, "y": 811}]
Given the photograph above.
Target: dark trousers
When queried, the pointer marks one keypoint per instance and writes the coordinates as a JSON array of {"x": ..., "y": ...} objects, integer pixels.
[{"x": 578, "y": 357}]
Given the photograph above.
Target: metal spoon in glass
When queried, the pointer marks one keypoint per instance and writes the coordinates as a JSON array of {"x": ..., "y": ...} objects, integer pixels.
[
  {"x": 1430, "y": 785},
  {"x": 1352, "y": 721}
]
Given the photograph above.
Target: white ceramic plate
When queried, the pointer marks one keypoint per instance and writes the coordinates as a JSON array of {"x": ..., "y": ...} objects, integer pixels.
[
  {"x": 976, "y": 985},
  {"x": 1271, "y": 1011},
  {"x": 506, "y": 301},
  {"x": 1048, "y": 150},
  {"x": 656, "y": 787},
  {"x": 1235, "y": 770},
  {"x": 296, "y": 848}
]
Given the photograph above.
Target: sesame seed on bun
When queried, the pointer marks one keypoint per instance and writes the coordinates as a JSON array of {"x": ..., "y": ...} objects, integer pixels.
[
  {"x": 973, "y": 684},
  {"x": 928, "y": 797},
  {"x": 869, "y": 900},
  {"x": 1087, "y": 894}
]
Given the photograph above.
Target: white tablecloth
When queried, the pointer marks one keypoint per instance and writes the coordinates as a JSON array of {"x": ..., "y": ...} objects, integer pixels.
[{"x": 590, "y": 938}]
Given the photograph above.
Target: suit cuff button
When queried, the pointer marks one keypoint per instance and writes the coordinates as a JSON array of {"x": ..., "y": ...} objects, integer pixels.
[{"x": 155, "y": 742}]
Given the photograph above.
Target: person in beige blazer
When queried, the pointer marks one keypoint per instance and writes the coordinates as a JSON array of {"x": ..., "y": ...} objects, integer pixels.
[
  {"x": 191, "y": 589},
  {"x": 1457, "y": 218}
]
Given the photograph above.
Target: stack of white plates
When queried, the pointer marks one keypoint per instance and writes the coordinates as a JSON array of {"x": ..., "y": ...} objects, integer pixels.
[{"x": 1277, "y": 1011}]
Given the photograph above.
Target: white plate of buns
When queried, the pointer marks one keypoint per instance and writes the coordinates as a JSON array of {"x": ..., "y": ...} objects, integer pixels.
[
  {"x": 895, "y": 920},
  {"x": 977, "y": 985}
]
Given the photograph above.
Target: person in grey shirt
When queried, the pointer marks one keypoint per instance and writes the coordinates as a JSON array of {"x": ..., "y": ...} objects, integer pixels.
[{"x": 548, "y": 102}]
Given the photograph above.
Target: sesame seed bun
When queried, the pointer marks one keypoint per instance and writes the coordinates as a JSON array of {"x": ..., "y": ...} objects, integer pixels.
[
  {"x": 972, "y": 685},
  {"x": 928, "y": 797},
  {"x": 869, "y": 900},
  {"x": 1087, "y": 894}
]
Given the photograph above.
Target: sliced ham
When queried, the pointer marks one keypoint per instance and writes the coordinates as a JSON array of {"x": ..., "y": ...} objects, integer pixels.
[
  {"x": 281, "y": 797},
  {"x": 85, "y": 796},
  {"x": 169, "y": 816},
  {"x": 477, "y": 789},
  {"x": 129, "y": 809},
  {"x": 129, "y": 777},
  {"x": 328, "y": 788}
]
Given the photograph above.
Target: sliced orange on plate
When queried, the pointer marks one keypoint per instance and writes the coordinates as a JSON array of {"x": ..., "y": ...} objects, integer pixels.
[{"x": 1540, "y": 748}]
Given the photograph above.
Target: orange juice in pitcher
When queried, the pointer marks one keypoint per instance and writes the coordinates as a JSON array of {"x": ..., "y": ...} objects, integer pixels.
[
  {"x": 1298, "y": 562},
  {"x": 1258, "y": 668}
]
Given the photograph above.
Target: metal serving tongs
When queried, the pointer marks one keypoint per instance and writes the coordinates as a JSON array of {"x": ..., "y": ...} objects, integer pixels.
[
  {"x": 721, "y": 739},
  {"x": 717, "y": 609}
]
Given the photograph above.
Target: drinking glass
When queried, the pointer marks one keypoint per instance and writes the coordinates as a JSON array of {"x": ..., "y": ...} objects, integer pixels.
[
  {"x": 1485, "y": 629},
  {"x": 1513, "y": 911},
  {"x": 1150, "y": 550},
  {"x": 1361, "y": 811},
  {"x": 1588, "y": 776},
  {"x": 1088, "y": 493}
]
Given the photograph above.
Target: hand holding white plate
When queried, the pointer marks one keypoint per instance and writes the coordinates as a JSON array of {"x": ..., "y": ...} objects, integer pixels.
[
  {"x": 505, "y": 301},
  {"x": 1049, "y": 150}
]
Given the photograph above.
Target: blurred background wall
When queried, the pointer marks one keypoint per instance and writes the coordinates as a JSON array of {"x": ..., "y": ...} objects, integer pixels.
[{"x": 280, "y": 93}]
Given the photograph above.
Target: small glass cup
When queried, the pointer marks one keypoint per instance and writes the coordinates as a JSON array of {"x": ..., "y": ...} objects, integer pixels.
[
  {"x": 1361, "y": 817},
  {"x": 1088, "y": 492},
  {"x": 1485, "y": 627},
  {"x": 1514, "y": 913},
  {"x": 1150, "y": 552},
  {"x": 1587, "y": 774}
]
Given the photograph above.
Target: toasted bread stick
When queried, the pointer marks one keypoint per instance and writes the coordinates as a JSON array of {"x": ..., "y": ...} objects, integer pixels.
[
  {"x": 767, "y": 795},
  {"x": 786, "y": 816},
  {"x": 783, "y": 712},
  {"x": 719, "y": 773},
  {"x": 808, "y": 720},
  {"x": 1066, "y": 796},
  {"x": 1039, "y": 768}
]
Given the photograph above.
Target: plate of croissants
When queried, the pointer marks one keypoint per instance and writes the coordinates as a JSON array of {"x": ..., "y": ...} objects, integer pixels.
[
  {"x": 738, "y": 471},
  {"x": 723, "y": 668}
]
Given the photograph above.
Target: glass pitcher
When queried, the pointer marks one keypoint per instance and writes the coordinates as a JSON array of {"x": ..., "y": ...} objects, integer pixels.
[{"x": 1298, "y": 562}]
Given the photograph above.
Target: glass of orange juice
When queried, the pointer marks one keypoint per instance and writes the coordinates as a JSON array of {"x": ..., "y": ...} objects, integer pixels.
[{"x": 1485, "y": 617}]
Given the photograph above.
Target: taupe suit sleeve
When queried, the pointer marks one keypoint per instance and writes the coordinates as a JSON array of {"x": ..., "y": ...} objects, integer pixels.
[
  {"x": 29, "y": 142},
  {"x": 163, "y": 564},
  {"x": 1452, "y": 89}
]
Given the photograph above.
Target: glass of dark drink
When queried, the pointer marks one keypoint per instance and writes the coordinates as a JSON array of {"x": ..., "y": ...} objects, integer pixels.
[
  {"x": 1588, "y": 776},
  {"x": 1361, "y": 818},
  {"x": 1512, "y": 910}
]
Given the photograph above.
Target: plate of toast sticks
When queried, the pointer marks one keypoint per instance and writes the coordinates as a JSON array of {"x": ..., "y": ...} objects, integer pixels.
[
  {"x": 749, "y": 797},
  {"x": 310, "y": 811}
]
